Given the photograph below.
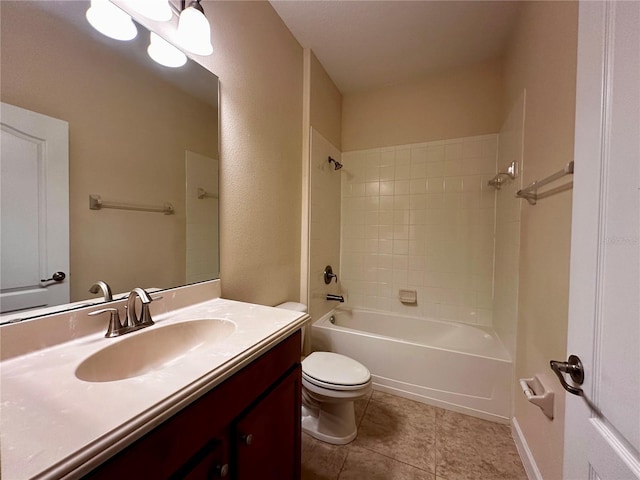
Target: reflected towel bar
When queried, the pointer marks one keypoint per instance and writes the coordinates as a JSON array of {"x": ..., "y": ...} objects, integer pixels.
[
  {"x": 530, "y": 192},
  {"x": 96, "y": 203},
  {"x": 202, "y": 193}
]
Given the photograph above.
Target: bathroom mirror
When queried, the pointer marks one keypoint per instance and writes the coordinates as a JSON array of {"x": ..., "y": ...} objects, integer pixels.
[{"x": 139, "y": 134}]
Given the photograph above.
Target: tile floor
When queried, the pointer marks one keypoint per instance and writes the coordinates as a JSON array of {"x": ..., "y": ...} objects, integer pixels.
[{"x": 401, "y": 439}]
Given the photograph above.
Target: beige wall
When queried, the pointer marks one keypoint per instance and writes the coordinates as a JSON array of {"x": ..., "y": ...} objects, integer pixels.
[
  {"x": 259, "y": 64},
  {"x": 326, "y": 104},
  {"x": 459, "y": 103},
  {"x": 128, "y": 132},
  {"x": 325, "y": 111},
  {"x": 542, "y": 59}
]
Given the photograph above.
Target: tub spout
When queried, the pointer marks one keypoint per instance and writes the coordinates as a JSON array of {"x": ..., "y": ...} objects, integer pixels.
[{"x": 337, "y": 298}]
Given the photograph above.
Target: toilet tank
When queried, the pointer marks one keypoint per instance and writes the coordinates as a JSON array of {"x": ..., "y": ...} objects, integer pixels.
[{"x": 296, "y": 307}]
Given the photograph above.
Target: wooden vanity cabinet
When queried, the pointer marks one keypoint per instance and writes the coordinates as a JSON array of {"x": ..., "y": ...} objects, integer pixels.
[{"x": 248, "y": 427}]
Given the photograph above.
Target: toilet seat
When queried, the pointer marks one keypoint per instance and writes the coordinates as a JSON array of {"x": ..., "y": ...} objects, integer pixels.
[{"x": 335, "y": 372}]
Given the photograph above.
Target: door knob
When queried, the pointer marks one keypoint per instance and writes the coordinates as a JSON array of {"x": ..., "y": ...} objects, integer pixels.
[
  {"x": 575, "y": 370},
  {"x": 246, "y": 439},
  {"x": 56, "y": 277}
]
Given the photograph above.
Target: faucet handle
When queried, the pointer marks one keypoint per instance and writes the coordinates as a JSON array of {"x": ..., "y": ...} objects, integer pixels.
[{"x": 115, "y": 326}]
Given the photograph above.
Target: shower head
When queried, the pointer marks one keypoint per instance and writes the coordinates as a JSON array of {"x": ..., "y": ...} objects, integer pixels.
[{"x": 336, "y": 165}]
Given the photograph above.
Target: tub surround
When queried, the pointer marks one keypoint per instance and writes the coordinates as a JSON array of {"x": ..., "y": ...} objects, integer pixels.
[
  {"x": 54, "y": 425},
  {"x": 454, "y": 366}
]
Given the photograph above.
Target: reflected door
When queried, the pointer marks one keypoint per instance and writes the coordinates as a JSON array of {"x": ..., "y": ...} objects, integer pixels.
[{"x": 34, "y": 204}]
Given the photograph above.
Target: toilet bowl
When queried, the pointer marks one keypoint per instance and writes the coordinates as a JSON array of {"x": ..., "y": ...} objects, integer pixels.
[{"x": 330, "y": 384}]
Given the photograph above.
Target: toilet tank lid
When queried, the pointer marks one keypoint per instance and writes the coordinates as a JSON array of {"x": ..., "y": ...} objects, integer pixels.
[{"x": 295, "y": 306}]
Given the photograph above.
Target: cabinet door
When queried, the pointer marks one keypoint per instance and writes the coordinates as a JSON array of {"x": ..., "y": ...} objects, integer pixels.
[
  {"x": 268, "y": 435},
  {"x": 211, "y": 462}
]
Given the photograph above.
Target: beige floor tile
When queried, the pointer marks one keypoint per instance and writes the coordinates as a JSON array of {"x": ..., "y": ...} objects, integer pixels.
[
  {"x": 363, "y": 464},
  {"x": 321, "y": 461},
  {"x": 360, "y": 406},
  {"x": 469, "y": 448},
  {"x": 404, "y": 404},
  {"x": 400, "y": 429}
]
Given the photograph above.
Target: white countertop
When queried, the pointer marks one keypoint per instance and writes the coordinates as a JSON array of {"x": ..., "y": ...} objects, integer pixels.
[{"x": 53, "y": 425}]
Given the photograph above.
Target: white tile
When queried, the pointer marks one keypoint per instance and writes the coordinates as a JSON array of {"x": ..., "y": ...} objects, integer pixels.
[
  {"x": 417, "y": 217},
  {"x": 453, "y": 151},
  {"x": 435, "y": 169},
  {"x": 386, "y": 188},
  {"x": 401, "y": 202},
  {"x": 453, "y": 184},
  {"x": 435, "y": 185},
  {"x": 385, "y": 246},
  {"x": 402, "y": 187},
  {"x": 385, "y": 217},
  {"x": 387, "y": 158},
  {"x": 472, "y": 149},
  {"x": 418, "y": 170},
  {"x": 401, "y": 217},
  {"x": 401, "y": 232},
  {"x": 418, "y": 155},
  {"x": 452, "y": 167},
  {"x": 400, "y": 247},
  {"x": 435, "y": 154},
  {"x": 418, "y": 201},
  {"x": 372, "y": 188},
  {"x": 403, "y": 172},
  {"x": 403, "y": 156},
  {"x": 418, "y": 185},
  {"x": 386, "y": 203},
  {"x": 387, "y": 172}
]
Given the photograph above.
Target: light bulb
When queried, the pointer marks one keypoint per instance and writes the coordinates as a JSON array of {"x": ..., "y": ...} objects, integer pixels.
[
  {"x": 194, "y": 32},
  {"x": 158, "y": 10},
  {"x": 109, "y": 20},
  {"x": 164, "y": 53}
]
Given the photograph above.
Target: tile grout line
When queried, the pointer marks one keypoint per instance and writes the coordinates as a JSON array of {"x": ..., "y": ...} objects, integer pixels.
[{"x": 395, "y": 459}]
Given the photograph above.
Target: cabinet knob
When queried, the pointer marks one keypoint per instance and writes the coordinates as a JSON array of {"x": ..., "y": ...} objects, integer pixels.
[
  {"x": 222, "y": 470},
  {"x": 247, "y": 439}
]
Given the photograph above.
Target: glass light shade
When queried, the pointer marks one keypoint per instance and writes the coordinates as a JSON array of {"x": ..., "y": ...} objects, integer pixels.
[
  {"x": 109, "y": 20},
  {"x": 164, "y": 53},
  {"x": 158, "y": 10},
  {"x": 194, "y": 32}
]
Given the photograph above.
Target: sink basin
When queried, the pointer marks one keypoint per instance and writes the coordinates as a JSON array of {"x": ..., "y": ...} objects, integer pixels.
[{"x": 152, "y": 349}]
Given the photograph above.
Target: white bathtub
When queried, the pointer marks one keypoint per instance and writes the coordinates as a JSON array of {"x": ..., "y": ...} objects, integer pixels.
[{"x": 449, "y": 365}]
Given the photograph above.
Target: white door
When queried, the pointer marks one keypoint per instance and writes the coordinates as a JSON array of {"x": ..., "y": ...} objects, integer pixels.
[
  {"x": 34, "y": 204},
  {"x": 602, "y": 435}
]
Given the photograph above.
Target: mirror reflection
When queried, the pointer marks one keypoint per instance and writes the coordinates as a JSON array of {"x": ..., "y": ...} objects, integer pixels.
[{"x": 139, "y": 135}]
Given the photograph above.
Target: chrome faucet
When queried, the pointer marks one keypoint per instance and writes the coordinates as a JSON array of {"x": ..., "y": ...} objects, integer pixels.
[
  {"x": 132, "y": 322},
  {"x": 104, "y": 287},
  {"x": 337, "y": 298},
  {"x": 145, "y": 320}
]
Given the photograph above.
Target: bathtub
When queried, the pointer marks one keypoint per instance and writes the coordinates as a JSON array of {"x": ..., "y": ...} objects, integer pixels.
[{"x": 450, "y": 365}]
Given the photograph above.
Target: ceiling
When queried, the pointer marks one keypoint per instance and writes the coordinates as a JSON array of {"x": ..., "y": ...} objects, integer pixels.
[{"x": 371, "y": 44}]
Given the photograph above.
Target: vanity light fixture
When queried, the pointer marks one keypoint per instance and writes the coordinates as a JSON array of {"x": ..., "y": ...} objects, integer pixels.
[
  {"x": 109, "y": 20},
  {"x": 164, "y": 53},
  {"x": 158, "y": 10},
  {"x": 194, "y": 32}
]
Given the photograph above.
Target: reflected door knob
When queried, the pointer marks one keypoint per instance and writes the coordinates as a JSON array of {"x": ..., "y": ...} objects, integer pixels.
[
  {"x": 247, "y": 439},
  {"x": 56, "y": 277}
]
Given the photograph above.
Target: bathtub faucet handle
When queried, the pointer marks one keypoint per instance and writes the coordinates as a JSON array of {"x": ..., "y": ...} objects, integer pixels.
[
  {"x": 329, "y": 275},
  {"x": 337, "y": 298}
]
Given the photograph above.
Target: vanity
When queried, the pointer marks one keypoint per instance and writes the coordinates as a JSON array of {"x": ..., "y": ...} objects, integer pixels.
[{"x": 211, "y": 390}]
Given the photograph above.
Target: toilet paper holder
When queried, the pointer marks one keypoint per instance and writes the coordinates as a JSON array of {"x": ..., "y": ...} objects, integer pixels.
[{"x": 538, "y": 394}]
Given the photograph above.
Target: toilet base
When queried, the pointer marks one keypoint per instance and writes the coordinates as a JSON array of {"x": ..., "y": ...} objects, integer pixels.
[{"x": 332, "y": 423}]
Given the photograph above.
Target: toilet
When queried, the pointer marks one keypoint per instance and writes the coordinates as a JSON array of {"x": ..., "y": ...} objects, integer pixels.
[{"x": 330, "y": 384}]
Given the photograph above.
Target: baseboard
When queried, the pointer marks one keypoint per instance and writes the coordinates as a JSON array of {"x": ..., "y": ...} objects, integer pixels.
[{"x": 526, "y": 456}]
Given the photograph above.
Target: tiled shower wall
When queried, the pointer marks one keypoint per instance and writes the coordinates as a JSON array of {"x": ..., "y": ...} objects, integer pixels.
[{"x": 421, "y": 217}]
